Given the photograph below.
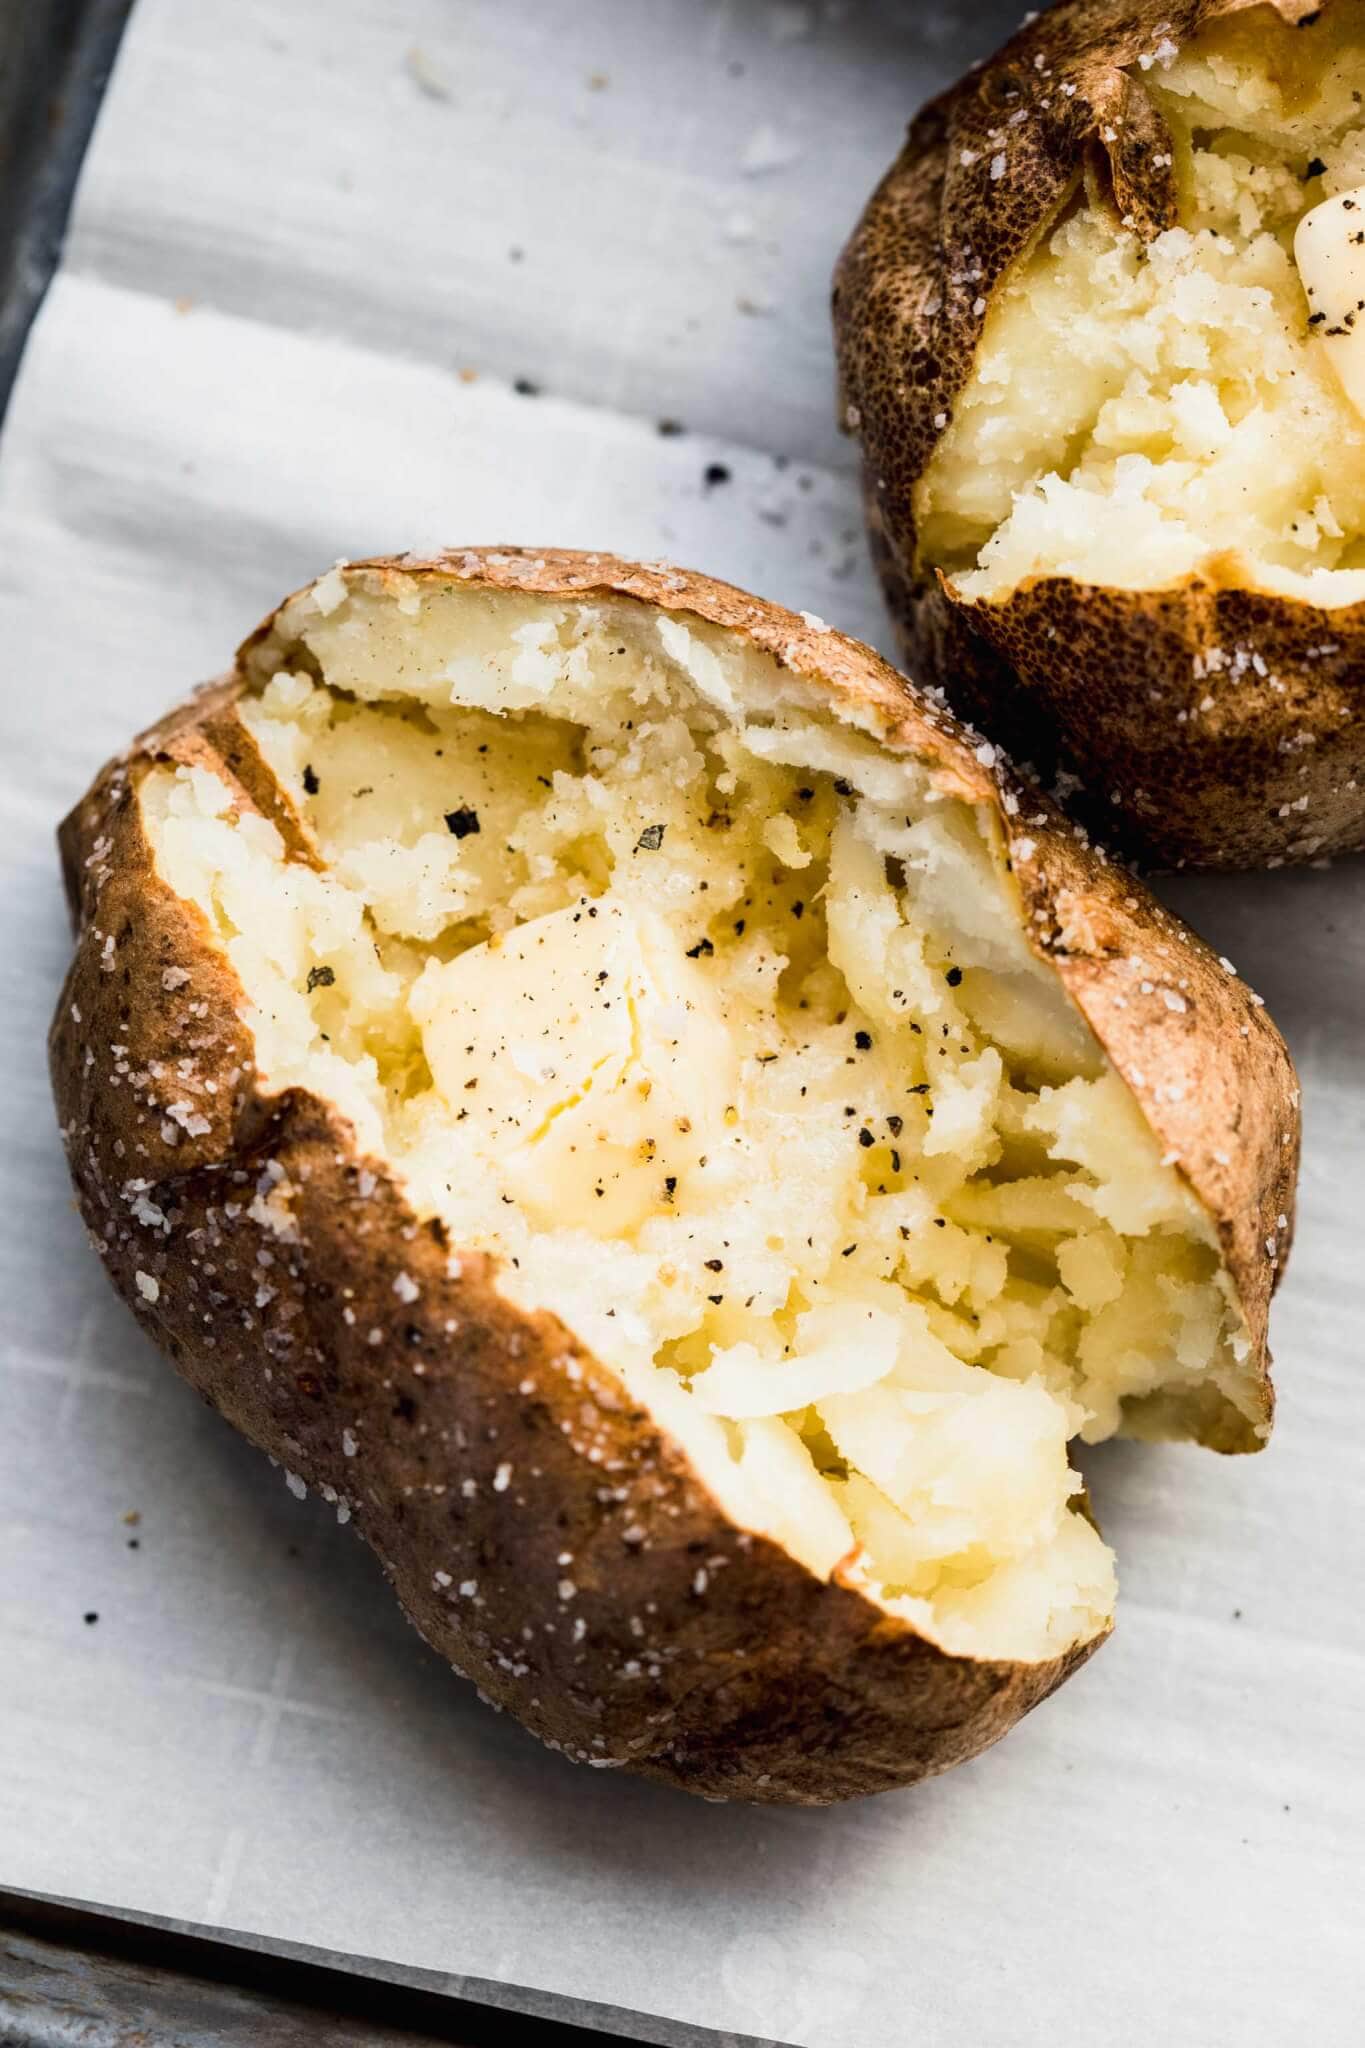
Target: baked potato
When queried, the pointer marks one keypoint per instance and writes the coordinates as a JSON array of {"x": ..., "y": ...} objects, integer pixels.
[
  {"x": 1099, "y": 332},
  {"x": 598, "y": 1076}
]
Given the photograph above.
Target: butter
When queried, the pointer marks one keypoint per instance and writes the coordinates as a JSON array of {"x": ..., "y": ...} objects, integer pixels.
[
  {"x": 587, "y": 1057},
  {"x": 1329, "y": 249}
]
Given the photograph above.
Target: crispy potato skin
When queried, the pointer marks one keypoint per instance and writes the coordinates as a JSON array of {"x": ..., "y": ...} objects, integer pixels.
[
  {"x": 707, "y": 1658},
  {"x": 1066, "y": 675}
]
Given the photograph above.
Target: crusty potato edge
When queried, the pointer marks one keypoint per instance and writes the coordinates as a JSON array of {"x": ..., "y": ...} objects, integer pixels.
[{"x": 1167, "y": 761}]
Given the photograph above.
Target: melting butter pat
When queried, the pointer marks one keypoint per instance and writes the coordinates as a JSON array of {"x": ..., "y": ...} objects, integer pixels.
[
  {"x": 1329, "y": 249},
  {"x": 587, "y": 1057}
]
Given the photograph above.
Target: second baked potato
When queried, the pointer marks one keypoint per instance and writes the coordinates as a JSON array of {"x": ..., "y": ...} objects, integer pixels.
[{"x": 1102, "y": 334}]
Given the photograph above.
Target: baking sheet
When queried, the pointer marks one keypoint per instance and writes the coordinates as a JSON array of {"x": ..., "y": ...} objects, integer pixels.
[{"x": 300, "y": 224}]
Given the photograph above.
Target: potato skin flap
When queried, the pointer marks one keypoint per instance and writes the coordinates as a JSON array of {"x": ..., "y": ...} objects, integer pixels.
[{"x": 548, "y": 1534}]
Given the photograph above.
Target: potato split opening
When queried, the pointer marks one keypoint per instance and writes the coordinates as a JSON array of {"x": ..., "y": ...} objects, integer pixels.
[
  {"x": 713, "y": 1019},
  {"x": 1136, "y": 414}
]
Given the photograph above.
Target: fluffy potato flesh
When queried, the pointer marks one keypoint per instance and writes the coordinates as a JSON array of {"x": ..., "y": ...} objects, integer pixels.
[
  {"x": 1136, "y": 412},
  {"x": 713, "y": 1020}
]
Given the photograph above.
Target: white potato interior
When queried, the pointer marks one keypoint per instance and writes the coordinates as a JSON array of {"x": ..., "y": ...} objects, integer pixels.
[
  {"x": 715, "y": 1021},
  {"x": 1135, "y": 413}
]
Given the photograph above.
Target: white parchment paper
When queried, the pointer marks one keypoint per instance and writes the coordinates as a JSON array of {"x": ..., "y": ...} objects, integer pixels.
[{"x": 301, "y": 227}]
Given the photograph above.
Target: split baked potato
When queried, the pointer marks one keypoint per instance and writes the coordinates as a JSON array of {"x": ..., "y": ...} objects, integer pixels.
[
  {"x": 1101, "y": 332},
  {"x": 602, "y": 1079}
]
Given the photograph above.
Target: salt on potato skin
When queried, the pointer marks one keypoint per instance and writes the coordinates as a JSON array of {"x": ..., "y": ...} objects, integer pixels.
[
  {"x": 547, "y": 1533},
  {"x": 1191, "y": 675}
]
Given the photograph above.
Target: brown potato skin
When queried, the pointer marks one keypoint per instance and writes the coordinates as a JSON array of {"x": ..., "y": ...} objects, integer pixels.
[
  {"x": 1094, "y": 682},
  {"x": 757, "y": 1681}
]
